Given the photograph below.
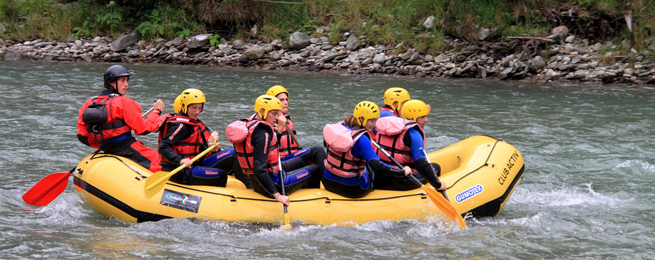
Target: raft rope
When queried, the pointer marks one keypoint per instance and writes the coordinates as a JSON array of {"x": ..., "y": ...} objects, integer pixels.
[
  {"x": 234, "y": 198},
  {"x": 119, "y": 159},
  {"x": 327, "y": 199},
  {"x": 486, "y": 163}
]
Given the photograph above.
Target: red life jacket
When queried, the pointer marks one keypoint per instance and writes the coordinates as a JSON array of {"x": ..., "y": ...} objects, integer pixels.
[
  {"x": 390, "y": 110},
  {"x": 100, "y": 108},
  {"x": 239, "y": 133},
  {"x": 190, "y": 146},
  {"x": 339, "y": 141},
  {"x": 287, "y": 145},
  {"x": 391, "y": 132}
]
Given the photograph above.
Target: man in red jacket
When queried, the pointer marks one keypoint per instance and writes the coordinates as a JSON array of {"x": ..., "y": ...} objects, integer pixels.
[{"x": 106, "y": 121}]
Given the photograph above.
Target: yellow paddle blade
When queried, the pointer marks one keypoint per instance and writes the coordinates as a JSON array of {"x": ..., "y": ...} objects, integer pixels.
[
  {"x": 286, "y": 222},
  {"x": 159, "y": 177},
  {"x": 444, "y": 206}
]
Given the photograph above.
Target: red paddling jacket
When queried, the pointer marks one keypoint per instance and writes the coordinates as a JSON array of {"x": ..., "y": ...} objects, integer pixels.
[{"x": 122, "y": 116}]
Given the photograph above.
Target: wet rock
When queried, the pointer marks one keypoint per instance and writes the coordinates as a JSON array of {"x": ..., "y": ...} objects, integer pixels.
[
  {"x": 352, "y": 42},
  {"x": 198, "y": 41},
  {"x": 124, "y": 41},
  {"x": 569, "y": 39},
  {"x": 238, "y": 44},
  {"x": 379, "y": 58},
  {"x": 12, "y": 56},
  {"x": 441, "y": 58},
  {"x": 274, "y": 55},
  {"x": 298, "y": 40},
  {"x": 538, "y": 63},
  {"x": 42, "y": 44},
  {"x": 505, "y": 73},
  {"x": 255, "y": 52}
]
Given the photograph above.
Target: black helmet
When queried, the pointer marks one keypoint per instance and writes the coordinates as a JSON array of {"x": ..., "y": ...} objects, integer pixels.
[{"x": 116, "y": 71}]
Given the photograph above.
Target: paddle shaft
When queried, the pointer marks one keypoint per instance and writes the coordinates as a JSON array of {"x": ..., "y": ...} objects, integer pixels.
[
  {"x": 443, "y": 192},
  {"x": 441, "y": 203},
  {"x": 279, "y": 162},
  {"x": 167, "y": 175},
  {"x": 293, "y": 136}
]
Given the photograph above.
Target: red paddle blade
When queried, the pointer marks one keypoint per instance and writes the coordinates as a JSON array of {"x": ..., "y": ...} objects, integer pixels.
[{"x": 47, "y": 189}]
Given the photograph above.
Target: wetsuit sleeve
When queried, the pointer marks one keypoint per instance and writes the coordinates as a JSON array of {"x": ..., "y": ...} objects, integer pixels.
[
  {"x": 260, "y": 141},
  {"x": 420, "y": 161},
  {"x": 131, "y": 112},
  {"x": 363, "y": 149},
  {"x": 385, "y": 113},
  {"x": 174, "y": 134}
]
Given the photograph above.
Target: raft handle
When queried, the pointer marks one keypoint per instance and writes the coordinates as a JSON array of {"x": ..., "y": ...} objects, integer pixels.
[
  {"x": 490, "y": 165},
  {"x": 328, "y": 200},
  {"x": 424, "y": 196},
  {"x": 459, "y": 158},
  {"x": 233, "y": 199}
]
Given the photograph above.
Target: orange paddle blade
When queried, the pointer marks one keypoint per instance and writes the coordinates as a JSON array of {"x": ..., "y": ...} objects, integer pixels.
[{"x": 444, "y": 206}]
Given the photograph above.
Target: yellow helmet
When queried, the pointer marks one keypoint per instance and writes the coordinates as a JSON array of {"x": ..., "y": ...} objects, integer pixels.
[
  {"x": 268, "y": 103},
  {"x": 177, "y": 105},
  {"x": 413, "y": 109},
  {"x": 276, "y": 90},
  {"x": 395, "y": 94},
  {"x": 367, "y": 110},
  {"x": 190, "y": 96}
]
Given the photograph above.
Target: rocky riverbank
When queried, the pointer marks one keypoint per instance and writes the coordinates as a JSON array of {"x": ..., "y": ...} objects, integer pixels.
[{"x": 559, "y": 57}]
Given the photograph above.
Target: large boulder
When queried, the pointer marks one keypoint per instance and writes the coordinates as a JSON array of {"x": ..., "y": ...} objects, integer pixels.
[
  {"x": 124, "y": 41},
  {"x": 298, "y": 40}
]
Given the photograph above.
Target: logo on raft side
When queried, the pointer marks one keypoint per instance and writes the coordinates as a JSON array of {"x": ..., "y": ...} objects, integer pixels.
[
  {"x": 180, "y": 200},
  {"x": 470, "y": 193}
]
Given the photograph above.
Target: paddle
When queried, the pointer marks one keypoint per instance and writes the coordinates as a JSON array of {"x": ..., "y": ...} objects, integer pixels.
[
  {"x": 286, "y": 212},
  {"x": 161, "y": 176},
  {"x": 293, "y": 136},
  {"x": 444, "y": 205},
  {"x": 48, "y": 188}
]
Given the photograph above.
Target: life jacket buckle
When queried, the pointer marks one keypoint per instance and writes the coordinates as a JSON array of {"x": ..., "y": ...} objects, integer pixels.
[{"x": 95, "y": 128}]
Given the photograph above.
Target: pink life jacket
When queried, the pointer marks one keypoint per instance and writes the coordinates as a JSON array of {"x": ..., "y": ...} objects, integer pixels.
[
  {"x": 239, "y": 133},
  {"x": 339, "y": 141},
  {"x": 391, "y": 132}
]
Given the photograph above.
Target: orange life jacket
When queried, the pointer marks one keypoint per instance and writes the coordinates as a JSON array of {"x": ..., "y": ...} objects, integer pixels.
[
  {"x": 192, "y": 145},
  {"x": 240, "y": 132},
  {"x": 287, "y": 145}
]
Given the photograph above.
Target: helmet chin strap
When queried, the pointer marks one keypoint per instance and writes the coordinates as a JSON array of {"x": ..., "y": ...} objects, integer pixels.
[{"x": 115, "y": 87}]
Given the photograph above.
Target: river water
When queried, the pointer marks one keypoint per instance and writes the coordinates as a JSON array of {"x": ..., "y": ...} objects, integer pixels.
[{"x": 588, "y": 189}]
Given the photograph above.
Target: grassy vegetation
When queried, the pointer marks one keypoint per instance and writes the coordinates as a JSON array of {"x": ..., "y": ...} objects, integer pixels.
[{"x": 386, "y": 22}]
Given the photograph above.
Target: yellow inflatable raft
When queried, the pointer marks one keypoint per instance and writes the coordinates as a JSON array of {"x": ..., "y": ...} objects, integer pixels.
[{"x": 481, "y": 173}]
